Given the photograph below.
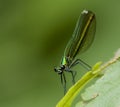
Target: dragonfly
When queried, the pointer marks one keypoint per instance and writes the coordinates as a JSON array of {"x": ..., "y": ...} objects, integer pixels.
[{"x": 80, "y": 41}]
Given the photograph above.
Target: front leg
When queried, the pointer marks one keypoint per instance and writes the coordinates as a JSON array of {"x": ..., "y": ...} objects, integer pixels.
[{"x": 63, "y": 81}]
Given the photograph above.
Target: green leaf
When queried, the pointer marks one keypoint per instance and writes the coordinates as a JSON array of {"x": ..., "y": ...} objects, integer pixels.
[{"x": 106, "y": 91}]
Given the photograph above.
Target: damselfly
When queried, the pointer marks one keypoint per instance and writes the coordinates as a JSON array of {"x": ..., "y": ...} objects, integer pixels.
[{"x": 82, "y": 38}]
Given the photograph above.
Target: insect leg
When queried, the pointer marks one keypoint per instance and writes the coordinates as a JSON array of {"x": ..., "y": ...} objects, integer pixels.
[
  {"x": 73, "y": 73},
  {"x": 79, "y": 61},
  {"x": 63, "y": 82}
]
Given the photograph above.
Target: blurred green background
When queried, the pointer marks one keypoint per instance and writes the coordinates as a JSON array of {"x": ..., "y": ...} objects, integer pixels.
[{"x": 33, "y": 35}]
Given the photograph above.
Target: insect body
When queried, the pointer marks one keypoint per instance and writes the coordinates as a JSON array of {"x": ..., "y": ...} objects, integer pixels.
[{"x": 81, "y": 39}]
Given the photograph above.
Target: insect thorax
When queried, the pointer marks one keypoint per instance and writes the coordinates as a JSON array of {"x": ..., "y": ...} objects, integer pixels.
[{"x": 66, "y": 61}]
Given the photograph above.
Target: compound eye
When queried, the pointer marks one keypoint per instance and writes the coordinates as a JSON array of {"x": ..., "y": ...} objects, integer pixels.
[
  {"x": 59, "y": 71},
  {"x": 63, "y": 67},
  {"x": 55, "y": 69}
]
